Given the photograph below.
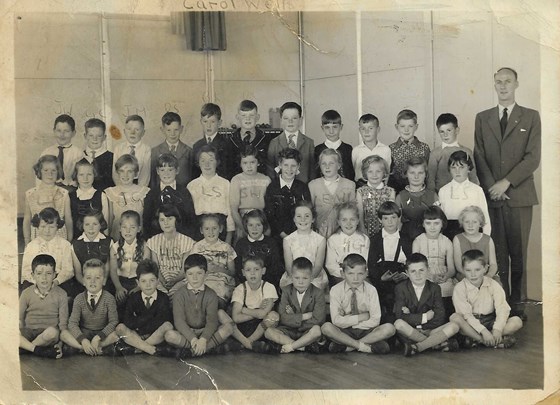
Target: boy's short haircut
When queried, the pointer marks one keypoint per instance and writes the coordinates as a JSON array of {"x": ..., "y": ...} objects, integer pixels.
[
  {"x": 147, "y": 266},
  {"x": 167, "y": 159},
  {"x": 211, "y": 110},
  {"x": 247, "y": 105},
  {"x": 255, "y": 258},
  {"x": 302, "y": 263},
  {"x": 92, "y": 263},
  {"x": 169, "y": 210},
  {"x": 43, "y": 260},
  {"x": 329, "y": 152},
  {"x": 207, "y": 148},
  {"x": 447, "y": 118},
  {"x": 37, "y": 167},
  {"x": 170, "y": 117},
  {"x": 93, "y": 213},
  {"x": 512, "y": 70},
  {"x": 126, "y": 159},
  {"x": 134, "y": 117},
  {"x": 256, "y": 213},
  {"x": 212, "y": 216},
  {"x": 195, "y": 260},
  {"x": 95, "y": 123},
  {"x": 307, "y": 204},
  {"x": 49, "y": 215},
  {"x": 81, "y": 163},
  {"x": 331, "y": 117},
  {"x": 471, "y": 256},
  {"x": 417, "y": 161},
  {"x": 347, "y": 205},
  {"x": 435, "y": 212},
  {"x": 353, "y": 260},
  {"x": 368, "y": 161},
  {"x": 289, "y": 153},
  {"x": 66, "y": 119},
  {"x": 416, "y": 258},
  {"x": 407, "y": 115},
  {"x": 475, "y": 209},
  {"x": 389, "y": 208},
  {"x": 460, "y": 158},
  {"x": 291, "y": 105},
  {"x": 367, "y": 118}
]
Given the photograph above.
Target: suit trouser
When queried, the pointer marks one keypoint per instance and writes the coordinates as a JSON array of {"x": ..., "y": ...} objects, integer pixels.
[{"x": 510, "y": 231}]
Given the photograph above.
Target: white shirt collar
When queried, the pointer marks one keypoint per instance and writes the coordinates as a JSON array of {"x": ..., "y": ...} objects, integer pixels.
[
  {"x": 378, "y": 187},
  {"x": 172, "y": 185},
  {"x": 98, "y": 238},
  {"x": 94, "y": 296},
  {"x": 333, "y": 145},
  {"x": 387, "y": 235},
  {"x": 283, "y": 183},
  {"x": 172, "y": 144},
  {"x": 201, "y": 288},
  {"x": 295, "y": 134},
  {"x": 329, "y": 182},
  {"x": 85, "y": 194},
  {"x": 449, "y": 145},
  {"x": 211, "y": 137},
  {"x": 255, "y": 240},
  {"x": 501, "y": 109},
  {"x": 359, "y": 288},
  {"x": 154, "y": 297},
  {"x": 136, "y": 145},
  {"x": 98, "y": 152}
]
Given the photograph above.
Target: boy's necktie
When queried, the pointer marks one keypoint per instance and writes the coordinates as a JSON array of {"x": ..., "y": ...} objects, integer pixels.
[
  {"x": 61, "y": 159},
  {"x": 354, "y": 303},
  {"x": 208, "y": 140},
  {"x": 133, "y": 150},
  {"x": 92, "y": 302},
  {"x": 247, "y": 138},
  {"x": 173, "y": 149},
  {"x": 503, "y": 121},
  {"x": 148, "y": 303},
  {"x": 291, "y": 142}
]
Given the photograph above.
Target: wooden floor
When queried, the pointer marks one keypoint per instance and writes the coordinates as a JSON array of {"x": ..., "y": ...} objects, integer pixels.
[{"x": 518, "y": 368}]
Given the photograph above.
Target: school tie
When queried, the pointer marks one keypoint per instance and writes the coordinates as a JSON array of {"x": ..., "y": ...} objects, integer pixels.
[
  {"x": 503, "y": 121},
  {"x": 133, "y": 150},
  {"x": 148, "y": 303},
  {"x": 173, "y": 149},
  {"x": 354, "y": 303},
  {"x": 92, "y": 302},
  {"x": 247, "y": 138},
  {"x": 291, "y": 142},
  {"x": 61, "y": 159},
  {"x": 92, "y": 155},
  {"x": 208, "y": 140}
]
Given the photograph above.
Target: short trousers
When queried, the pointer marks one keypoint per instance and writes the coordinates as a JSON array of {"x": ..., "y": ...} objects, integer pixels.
[
  {"x": 31, "y": 333},
  {"x": 292, "y": 333},
  {"x": 249, "y": 327},
  {"x": 356, "y": 334},
  {"x": 486, "y": 320},
  {"x": 89, "y": 334}
]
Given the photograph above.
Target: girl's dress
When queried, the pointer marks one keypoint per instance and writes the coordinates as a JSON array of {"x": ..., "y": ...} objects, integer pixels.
[
  {"x": 483, "y": 245},
  {"x": 127, "y": 270},
  {"x": 371, "y": 199},
  {"x": 122, "y": 201},
  {"x": 436, "y": 252},
  {"x": 43, "y": 196},
  {"x": 83, "y": 202},
  {"x": 413, "y": 205},
  {"x": 325, "y": 201},
  {"x": 305, "y": 245},
  {"x": 99, "y": 248},
  {"x": 169, "y": 254},
  {"x": 218, "y": 255}
]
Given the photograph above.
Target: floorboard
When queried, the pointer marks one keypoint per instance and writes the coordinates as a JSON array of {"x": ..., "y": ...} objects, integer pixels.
[{"x": 518, "y": 368}]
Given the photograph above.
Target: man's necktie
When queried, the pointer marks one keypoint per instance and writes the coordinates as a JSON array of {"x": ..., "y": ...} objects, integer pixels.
[
  {"x": 61, "y": 159},
  {"x": 503, "y": 121},
  {"x": 291, "y": 142},
  {"x": 354, "y": 303},
  {"x": 208, "y": 140}
]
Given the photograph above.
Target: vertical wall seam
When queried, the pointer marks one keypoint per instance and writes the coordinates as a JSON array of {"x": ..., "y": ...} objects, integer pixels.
[
  {"x": 301, "y": 66},
  {"x": 105, "y": 75},
  {"x": 359, "y": 64}
]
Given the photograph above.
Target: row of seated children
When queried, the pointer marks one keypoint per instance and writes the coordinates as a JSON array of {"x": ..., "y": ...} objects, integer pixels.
[
  {"x": 195, "y": 325},
  {"x": 132, "y": 181}
]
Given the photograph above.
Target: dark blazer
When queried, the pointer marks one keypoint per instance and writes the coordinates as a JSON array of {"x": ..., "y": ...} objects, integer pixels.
[
  {"x": 377, "y": 253},
  {"x": 305, "y": 146},
  {"x": 183, "y": 154},
  {"x": 221, "y": 143},
  {"x": 279, "y": 202},
  {"x": 429, "y": 300},
  {"x": 347, "y": 168},
  {"x": 236, "y": 145},
  {"x": 143, "y": 320},
  {"x": 514, "y": 157},
  {"x": 313, "y": 301}
]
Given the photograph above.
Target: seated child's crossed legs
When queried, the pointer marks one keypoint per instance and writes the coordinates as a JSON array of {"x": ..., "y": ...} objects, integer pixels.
[
  {"x": 71, "y": 341},
  {"x": 145, "y": 343},
  {"x": 359, "y": 339},
  {"x": 513, "y": 324},
  {"x": 251, "y": 331},
  {"x": 425, "y": 339},
  {"x": 31, "y": 338},
  {"x": 292, "y": 339}
]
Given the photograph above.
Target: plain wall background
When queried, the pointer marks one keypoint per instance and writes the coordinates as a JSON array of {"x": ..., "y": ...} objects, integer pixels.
[{"x": 431, "y": 62}]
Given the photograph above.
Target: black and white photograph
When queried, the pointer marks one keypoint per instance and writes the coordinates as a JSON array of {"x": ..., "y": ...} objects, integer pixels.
[{"x": 281, "y": 201}]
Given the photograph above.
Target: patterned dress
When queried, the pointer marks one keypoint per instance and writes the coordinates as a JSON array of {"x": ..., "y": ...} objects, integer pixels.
[
  {"x": 436, "y": 252},
  {"x": 122, "y": 201},
  {"x": 371, "y": 199},
  {"x": 43, "y": 196},
  {"x": 413, "y": 205}
]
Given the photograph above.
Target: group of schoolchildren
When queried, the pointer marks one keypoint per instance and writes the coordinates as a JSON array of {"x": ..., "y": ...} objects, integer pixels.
[{"x": 246, "y": 242}]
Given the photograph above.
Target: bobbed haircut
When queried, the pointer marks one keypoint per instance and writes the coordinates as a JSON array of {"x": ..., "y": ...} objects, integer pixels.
[
  {"x": 127, "y": 159},
  {"x": 435, "y": 212},
  {"x": 472, "y": 209},
  {"x": 37, "y": 167},
  {"x": 207, "y": 149},
  {"x": 330, "y": 152},
  {"x": 168, "y": 210},
  {"x": 368, "y": 161},
  {"x": 49, "y": 215},
  {"x": 256, "y": 213},
  {"x": 83, "y": 163},
  {"x": 460, "y": 158},
  {"x": 307, "y": 204},
  {"x": 97, "y": 214}
]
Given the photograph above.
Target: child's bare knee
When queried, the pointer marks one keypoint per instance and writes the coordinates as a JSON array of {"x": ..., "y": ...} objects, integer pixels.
[
  {"x": 456, "y": 318},
  {"x": 166, "y": 326},
  {"x": 121, "y": 330},
  {"x": 172, "y": 336},
  {"x": 400, "y": 325},
  {"x": 315, "y": 331},
  {"x": 327, "y": 328},
  {"x": 51, "y": 334}
]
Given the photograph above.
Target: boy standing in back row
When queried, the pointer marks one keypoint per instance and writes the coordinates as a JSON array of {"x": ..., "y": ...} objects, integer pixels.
[{"x": 331, "y": 124}]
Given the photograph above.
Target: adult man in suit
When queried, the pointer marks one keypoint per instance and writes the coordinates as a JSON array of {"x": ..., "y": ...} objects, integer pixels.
[{"x": 507, "y": 151}]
